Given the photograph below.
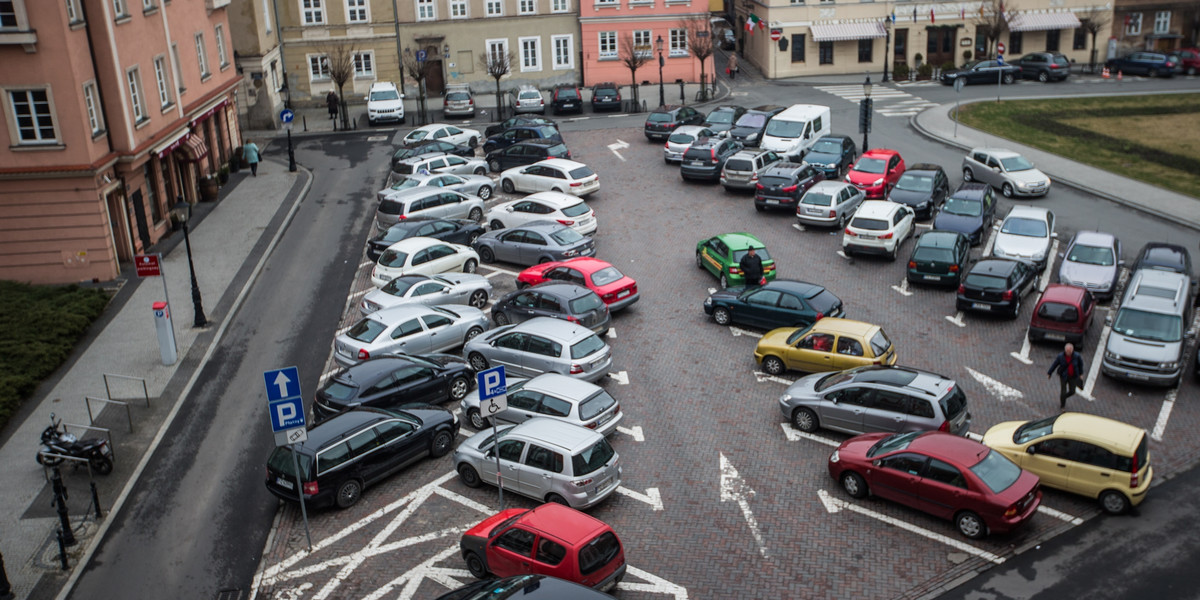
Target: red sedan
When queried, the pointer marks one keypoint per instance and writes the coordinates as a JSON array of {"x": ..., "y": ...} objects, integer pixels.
[
  {"x": 945, "y": 475},
  {"x": 614, "y": 288},
  {"x": 876, "y": 172}
]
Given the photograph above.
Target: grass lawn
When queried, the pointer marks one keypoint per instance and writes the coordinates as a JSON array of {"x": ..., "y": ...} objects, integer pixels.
[
  {"x": 1154, "y": 138},
  {"x": 39, "y": 326}
]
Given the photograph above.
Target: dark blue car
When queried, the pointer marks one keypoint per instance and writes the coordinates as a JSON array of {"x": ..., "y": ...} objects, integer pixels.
[
  {"x": 1150, "y": 64},
  {"x": 832, "y": 155},
  {"x": 970, "y": 211},
  {"x": 521, "y": 133}
]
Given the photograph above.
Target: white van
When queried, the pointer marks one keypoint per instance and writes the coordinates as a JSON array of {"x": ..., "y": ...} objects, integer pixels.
[{"x": 795, "y": 130}]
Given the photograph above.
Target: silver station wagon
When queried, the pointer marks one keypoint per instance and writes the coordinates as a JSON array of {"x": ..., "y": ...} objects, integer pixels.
[
  {"x": 541, "y": 345},
  {"x": 408, "y": 328},
  {"x": 554, "y": 396}
]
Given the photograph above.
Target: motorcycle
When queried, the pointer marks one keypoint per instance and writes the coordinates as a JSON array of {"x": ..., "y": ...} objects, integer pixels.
[{"x": 56, "y": 441}]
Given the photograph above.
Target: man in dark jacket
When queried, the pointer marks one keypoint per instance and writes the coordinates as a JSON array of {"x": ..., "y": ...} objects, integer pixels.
[
  {"x": 1069, "y": 366},
  {"x": 752, "y": 269}
]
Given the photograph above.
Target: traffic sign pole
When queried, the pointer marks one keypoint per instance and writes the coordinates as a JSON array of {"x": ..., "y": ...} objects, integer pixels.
[
  {"x": 300, "y": 493},
  {"x": 493, "y": 395},
  {"x": 285, "y": 407},
  {"x": 999, "y": 71}
]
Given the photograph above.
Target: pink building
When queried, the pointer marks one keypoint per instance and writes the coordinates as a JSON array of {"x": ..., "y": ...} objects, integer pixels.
[
  {"x": 112, "y": 109},
  {"x": 611, "y": 29}
]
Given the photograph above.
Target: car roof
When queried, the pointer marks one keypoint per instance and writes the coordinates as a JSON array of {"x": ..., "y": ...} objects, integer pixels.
[
  {"x": 1112, "y": 435},
  {"x": 835, "y": 136},
  {"x": 880, "y": 153},
  {"x": 732, "y": 107},
  {"x": 922, "y": 167},
  {"x": 540, "y": 141},
  {"x": 993, "y": 266},
  {"x": 369, "y": 371},
  {"x": 418, "y": 192},
  {"x": 787, "y": 168},
  {"x": 950, "y": 448},
  {"x": 563, "y": 289},
  {"x": 563, "y": 523},
  {"x": 739, "y": 240},
  {"x": 971, "y": 190},
  {"x": 339, "y": 425},
  {"x": 393, "y": 314},
  {"x": 707, "y": 142},
  {"x": 606, "y": 84},
  {"x": 690, "y": 129},
  {"x": 565, "y": 436},
  {"x": 1149, "y": 288},
  {"x": 412, "y": 160},
  {"x": 829, "y": 186},
  {"x": 558, "y": 329},
  {"x": 562, "y": 386},
  {"x": 586, "y": 264},
  {"x": 1095, "y": 238},
  {"x": 562, "y": 163},
  {"x": 1028, "y": 212},
  {"x": 907, "y": 378},
  {"x": 666, "y": 108},
  {"x": 938, "y": 238},
  {"x": 558, "y": 199},
  {"x": 996, "y": 152},
  {"x": 1063, "y": 294},
  {"x": 1163, "y": 254},
  {"x": 384, "y": 85},
  {"x": 877, "y": 208},
  {"x": 803, "y": 288},
  {"x": 771, "y": 109},
  {"x": 544, "y": 225},
  {"x": 843, "y": 326}
]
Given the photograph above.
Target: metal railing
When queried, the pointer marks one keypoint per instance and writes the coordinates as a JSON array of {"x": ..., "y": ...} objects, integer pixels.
[
  {"x": 92, "y": 418},
  {"x": 108, "y": 387}
]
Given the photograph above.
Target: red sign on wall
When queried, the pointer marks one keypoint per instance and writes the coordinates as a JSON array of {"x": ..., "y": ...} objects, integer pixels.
[
  {"x": 776, "y": 33},
  {"x": 148, "y": 265}
]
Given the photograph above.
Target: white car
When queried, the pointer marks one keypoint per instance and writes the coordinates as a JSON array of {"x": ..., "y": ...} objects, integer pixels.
[
  {"x": 878, "y": 227},
  {"x": 568, "y": 210},
  {"x": 384, "y": 103},
  {"x": 437, "y": 290},
  {"x": 1026, "y": 235},
  {"x": 681, "y": 139},
  {"x": 552, "y": 174},
  {"x": 446, "y": 133},
  {"x": 422, "y": 256}
]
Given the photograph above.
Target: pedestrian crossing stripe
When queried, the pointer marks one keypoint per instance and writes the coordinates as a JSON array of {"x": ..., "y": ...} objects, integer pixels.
[{"x": 906, "y": 104}]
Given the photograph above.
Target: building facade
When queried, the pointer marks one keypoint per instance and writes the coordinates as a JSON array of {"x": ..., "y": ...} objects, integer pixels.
[
  {"x": 1158, "y": 25},
  {"x": 258, "y": 56},
  {"x": 112, "y": 109},
  {"x": 610, "y": 29}
]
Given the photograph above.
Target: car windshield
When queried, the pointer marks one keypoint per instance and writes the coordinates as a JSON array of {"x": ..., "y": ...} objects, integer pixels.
[
  {"x": 817, "y": 199},
  {"x": 598, "y": 403},
  {"x": 586, "y": 303},
  {"x": 567, "y": 236},
  {"x": 681, "y": 138},
  {"x": 1016, "y": 163},
  {"x": 593, "y": 458},
  {"x": 604, "y": 93},
  {"x": 393, "y": 258},
  {"x": 576, "y": 210},
  {"x": 721, "y": 117},
  {"x": 928, "y": 254},
  {"x": 567, "y": 94},
  {"x": 963, "y": 207},
  {"x": 445, "y": 311},
  {"x": 416, "y": 135},
  {"x": 505, "y": 588},
  {"x": 749, "y": 120},
  {"x": 366, "y": 330},
  {"x": 581, "y": 172},
  {"x": 385, "y": 95},
  {"x": 758, "y": 250},
  {"x": 404, "y": 153},
  {"x": 1034, "y": 430},
  {"x": 827, "y": 147},
  {"x": 406, "y": 182},
  {"x": 1091, "y": 255},
  {"x": 660, "y": 118},
  {"x": 785, "y": 129},
  {"x": 1144, "y": 325},
  {"x": 606, "y": 276},
  {"x": 1025, "y": 227},
  {"x": 996, "y": 471},
  {"x": 870, "y": 224},
  {"x": 827, "y": 381},
  {"x": 529, "y": 95},
  {"x": 458, "y": 96},
  {"x": 824, "y": 301},
  {"x": 880, "y": 343},
  {"x": 587, "y": 347},
  {"x": 867, "y": 164},
  {"x": 774, "y": 181},
  {"x": 399, "y": 286},
  {"x": 953, "y": 403},
  {"x": 915, "y": 183},
  {"x": 738, "y": 164},
  {"x": 339, "y": 391},
  {"x": 281, "y": 462},
  {"x": 892, "y": 443}
]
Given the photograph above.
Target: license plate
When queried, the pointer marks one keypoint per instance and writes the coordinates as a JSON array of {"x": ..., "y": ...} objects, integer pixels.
[
  {"x": 603, "y": 484},
  {"x": 623, "y": 294},
  {"x": 981, "y": 306},
  {"x": 606, "y": 418},
  {"x": 697, "y": 163},
  {"x": 772, "y": 202},
  {"x": 1056, "y": 336},
  {"x": 285, "y": 483},
  {"x": 866, "y": 237},
  {"x": 933, "y": 277},
  {"x": 587, "y": 252},
  {"x": 1137, "y": 376},
  {"x": 813, "y": 211}
]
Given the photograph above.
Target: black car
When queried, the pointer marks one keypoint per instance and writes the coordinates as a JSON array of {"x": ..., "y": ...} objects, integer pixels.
[
  {"x": 520, "y": 133},
  {"x": 515, "y": 121},
  {"x": 749, "y": 128},
  {"x": 706, "y": 157},
  {"x": 566, "y": 98},
  {"x": 939, "y": 257},
  {"x": 782, "y": 185},
  {"x": 983, "y": 71},
  {"x": 388, "y": 381},
  {"x": 1044, "y": 66},
  {"x": 526, "y": 153},
  {"x": 970, "y": 210},
  {"x": 525, "y": 587},
  {"x": 833, "y": 155},
  {"x": 457, "y": 231},
  {"x": 424, "y": 147},
  {"x": 780, "y": 303},
  {"x": 995, "y": 285},
  {"x": 358, "y": 448},
  {"x": 555, "y": 299},
  {"x": 923, "y": 187},
  {"x": 665, "y": 119},
  {"x": 1168, "y": 257},
  {"x": 1150, "y": 64},
  {"x": 605, "y": 96},
  {"x": 722, "y": 118}
]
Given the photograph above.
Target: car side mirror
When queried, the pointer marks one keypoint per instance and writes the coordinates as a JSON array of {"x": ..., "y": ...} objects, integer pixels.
[
  {"x": 510, "y": 209},
  {"x": 876, "y": 463},
  {"x": 446, "y": 291},
  {"x": 723, "y": 134},
  {"x": 1053, "y": 234},
  {"x": 1032, "y": 449},
  {"x": 366, "y": 97},
  {"x": 996, "y": 169}
]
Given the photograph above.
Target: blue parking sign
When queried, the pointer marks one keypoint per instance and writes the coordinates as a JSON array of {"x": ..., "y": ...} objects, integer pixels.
[
  {"x": 491, "y": 382},
  {"x": 287, "y": 414}
]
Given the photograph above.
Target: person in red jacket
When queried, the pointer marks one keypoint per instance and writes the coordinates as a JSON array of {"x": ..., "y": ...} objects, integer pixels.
[{"x": 1069, "y": 366}]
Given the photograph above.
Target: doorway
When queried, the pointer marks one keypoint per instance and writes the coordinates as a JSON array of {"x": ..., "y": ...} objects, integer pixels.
[
  {"x": 940, "y": 47},
  {"x": 118, "y": 221},
  {"x": 901, "y": 50}
]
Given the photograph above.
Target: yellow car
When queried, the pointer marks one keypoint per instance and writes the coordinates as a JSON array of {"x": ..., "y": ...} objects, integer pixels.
[
  {"x": 830, "y": 344},
  {"x": 1082, "y": 454}
]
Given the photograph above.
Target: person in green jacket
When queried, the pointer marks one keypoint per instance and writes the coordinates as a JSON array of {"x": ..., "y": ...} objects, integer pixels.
[{"x": 250, "y": 152}]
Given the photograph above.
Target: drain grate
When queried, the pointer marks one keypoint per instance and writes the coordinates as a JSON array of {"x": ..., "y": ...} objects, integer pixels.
[{"x": 229, "y": 595}]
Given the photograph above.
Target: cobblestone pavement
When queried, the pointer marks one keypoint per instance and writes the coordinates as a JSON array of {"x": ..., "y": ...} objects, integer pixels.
[{"x": 721, "y": 498}]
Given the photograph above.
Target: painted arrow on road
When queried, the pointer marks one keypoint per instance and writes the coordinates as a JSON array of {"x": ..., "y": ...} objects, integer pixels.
[
  {"x": 761, "y": 377},
  {"x": 634, "y": 432},
  {"x": 738, "y": 332},
  {"x": 795, "y": 435},
  {"x": 621, "y": 377},
  {"x": 620, "y": 145},
  {"x": 734, "y": 489},
  {"x": 651, "y": 497},
  {"x": 994, "y": 386}
]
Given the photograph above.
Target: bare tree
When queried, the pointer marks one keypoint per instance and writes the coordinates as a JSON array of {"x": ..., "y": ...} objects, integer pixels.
[
  {"x": 418, "y": 70},
  {"x": 1093, "y": 20},
  {"x": 700, "y": 45},
  {"x": 634, "y": 57},
  {"x": 497, "y": 64},
  {"x": 339, "y": 60},
  {"x": 992, "y": 22}
]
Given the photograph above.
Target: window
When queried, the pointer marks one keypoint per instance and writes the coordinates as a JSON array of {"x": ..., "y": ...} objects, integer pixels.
[
  {"x": 1162, "y": 21},
  {"x": 458, "y": 9},
  {"x": 120, "y": 9},
  {"x": 364, "y": 65},
  {"x": 516, "y": 540},
  {"x": 912, "y": 464},
  {"x": 679, "y": 43},
  {"x": 357, "y": 12},
  {"x": 531, "y": 53},
  {"x": 797, "y": 47},
  {"x": 72, "y": 12},
  {"x": 318, "y": 67},
  {"x": 1080, "y": 41},
  {"x": 497, "y": 50},
  {"x": 527, "y": 7},
  {"x": 864, "y": 50},
  {"x": 511, "y": 450},
  {"x": 1015, "y": 40},
  {"x": 545, "y": 460},
  {"x": 426, "y": 10},
  {"x": 156, "y": 212},
  {"x": 313, "y": 11},
  {"x": 178, "y": 71},
  {"x": 642, "y": 43},
  {"x": 560, "y": 6},
  {"x": 266, "y": 15},
  {"x": 1052, "y": 38},
  {"x": 609, "y": 2},
  {"x": 91, "y": 101},
  {"x": 945, "y": 473},
  {"x": 825, "y": 51},
  {"x": 148, "y": 5},
  {"x": 201, "y": 56},
  {"x": 563, "y": 47},
  {"x": 1133, "y": 24},
  {"x": 796, "y": 2},
  {"x": 135, "y": 95},
  {"x": 495, "y": 8},
  {"x": 549, "y": 552},
  {"x": 608, "y": 45},
  {"x": 160, "y": 78},
  {"x": 219, "y": 38}
]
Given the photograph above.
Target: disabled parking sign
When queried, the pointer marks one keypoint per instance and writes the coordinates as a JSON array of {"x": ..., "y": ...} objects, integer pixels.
[{"x": 493, "y": 390}]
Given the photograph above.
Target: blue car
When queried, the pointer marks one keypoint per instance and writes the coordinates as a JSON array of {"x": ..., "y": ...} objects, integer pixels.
[
  {"x": 832, "y": 155},
  {"x": 521, "y": 133},
  {"x": 970, "y": 211},
  {"x": 1150, "y": 64}
]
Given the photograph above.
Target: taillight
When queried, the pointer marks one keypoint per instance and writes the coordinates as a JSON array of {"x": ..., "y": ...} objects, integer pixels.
[
  {"x": 754, "y": 177},
  {"x": 471, "y": 101},
  {"x": 1053, "y": 66},
  {"x": 1133, "y": 477},
  {"x": 310, "y": 488},
  {"x": 445, "y": 102},
  {"x": 401, "y": 217},
  {"x": 1007, "y": 295},
  {"x": 572, "y": 319},
  {"x": 609, "y": 297},
  {"x": 851, "y": 233},
  {"x": 583, "y": 482},
  {"x": 953, "y": 268},
  {"x": 758, "y": 186},
  {"x": 944, "y": 427},
  {"x": 790, "y": 188},
  {"x": 591, "y": 425},
  {"x": 832, "y": 214},
  {"x": 769, "y": 268},
  {"x": 667, "y": 146},
  {"x": 1010, "y": 512},
  {"x": 820, "y": 316},
  {"x": 962, "y": 289},
  {"x": 734, "y": 271},
  {"x": 363, "y": 354},
  {"x": 912, "y": 264},
  {"x": 887, "y": 236},
  {"x": 576, "y": 369},
  {"x": 566, "y": 222},
  {"x": 576, "y": 183},
  {"x": 713, "y": 155}
]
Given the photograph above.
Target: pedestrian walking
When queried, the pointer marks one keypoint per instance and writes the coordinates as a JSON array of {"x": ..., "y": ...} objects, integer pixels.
[
  {"x": 1069, "y": 366},
  {"x": 331, "y": 100},
  {"x": 752, "y": 269},
  {"x": 732, "y": 67},
  {"x": 250, "y": 153}
]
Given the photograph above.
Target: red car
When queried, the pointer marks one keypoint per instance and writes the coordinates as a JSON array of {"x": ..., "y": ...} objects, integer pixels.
[
  {"x": 1062, "y": 314},
  {"x": 551, "y": 539},
  {"x": 876, "y": 172},
  {"x": 1189, "y": 60},
  {"x": 614, "y": 288},
  {"x": 945, "y": 475}
]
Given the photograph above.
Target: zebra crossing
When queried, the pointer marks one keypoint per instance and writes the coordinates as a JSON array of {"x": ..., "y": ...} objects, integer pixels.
[{"x": 905, "y": 104}]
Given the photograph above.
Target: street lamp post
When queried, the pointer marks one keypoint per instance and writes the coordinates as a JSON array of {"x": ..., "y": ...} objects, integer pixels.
[
  {"x": 662, "y": 97},
  {"x": 887, "y": 45},
  {"x": 864, "y": 113},
  {"x": 183, "y": 213}
]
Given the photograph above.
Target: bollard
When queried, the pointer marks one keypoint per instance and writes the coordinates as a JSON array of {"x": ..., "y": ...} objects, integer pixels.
[
  {"x": 5, "y": 586},
  {"x": 304, "y": 119},
  {"x": 62, "y": 550},
  {"x": 60, "y": 505},
  {"x": 96, "y": 501}
]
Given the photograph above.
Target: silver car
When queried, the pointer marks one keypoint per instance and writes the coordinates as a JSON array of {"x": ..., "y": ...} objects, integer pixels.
[
  {"x": 1006, "y": 170},
  {"x": 411, "y": 329},
  {"x": 427, "y": 202},
  {"x": 1026, "y": 235},
  {"x": 471, "y": 185},
  {"x": 527, "y": 99},
  {"x": 438, "y": 163},
  {"x": 534, "y": 243},
  {"x": 1092, "y": 261},
  {"x": 741, "y": 170},
  {"x": 545, "y": 459},
  {"x": 829, "y": 203},
  {"x": 876, "y": 398},
  {"x": 458, "y": 101},
  {"x": 437, "y": 290},
  {"x": 681, "y": 139},
  {"x": 554, "y": 396},
  {"x": 541, "y": 345}
]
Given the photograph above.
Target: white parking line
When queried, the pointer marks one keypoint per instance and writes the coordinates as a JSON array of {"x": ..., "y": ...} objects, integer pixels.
[
  {"x": 505, "y": 271},
  {"x": 612, "y": 333},
  {"x": 738, "y": 332},
  {"x": 342, "y": 330},
  {"x": 712, "y": 291},
  {"x": 493, "y": 274},
  {"x": 1164, "y": 414},
  {"x": 1044, "y": 280},
  {"x": 795, "y": 435},
  {"x": 957, "y": 319},
  {"x": 634, "y": 432},
  {"x": 903, "y": 287},
  {"x": 799, "y": 227},
  {"x": 327, "y": 375},
  {"x": 1057, "y": 514},
  {"x": 975, "y": 436},
  {"x": 925, "y": 225},
  {"x": 651, "y": 497},
  {"x": 361, "y": 293},
  {"x": 987, "y": 248},
  {"x": 1094, "y": 368},
  {"x": 1023, "y": 355},
  {"x": 995, "y": 386},
  {"x": 761, "y": 377},
  {"x": 365, "y": 263},
  {"x": 621, "y": 377},
  {"x": 843, "y": 255}
]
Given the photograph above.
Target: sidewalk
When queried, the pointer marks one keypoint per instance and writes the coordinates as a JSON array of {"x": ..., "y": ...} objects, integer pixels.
[{"x": 228, "y": 238}]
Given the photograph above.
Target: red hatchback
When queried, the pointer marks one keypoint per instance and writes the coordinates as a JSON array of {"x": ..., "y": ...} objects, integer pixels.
[
  {"x": 942, "y": 474},
  {"x": 614, "y": 288},
  {"x": 1062, "y": 314},
  {"x": 551, "y": 539},
  {"x": 876, "y": 172}
]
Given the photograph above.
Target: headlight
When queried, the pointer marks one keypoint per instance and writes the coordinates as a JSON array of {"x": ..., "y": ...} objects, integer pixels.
[
  {"x": 834, "y": 457},
  {"x": 877, "y": 182},
  {"x": 752, "y": 136},
  {"x": 1169, "y": 366},
  {"x": 708, "y": 301},
  {"x": 1039, "y": 256},
  {"x": 784, "y": 399},
  {"x": 1110, "y": 355},
  {"x": 923, "y": 204},
  {"x": 831, "y": 166}
]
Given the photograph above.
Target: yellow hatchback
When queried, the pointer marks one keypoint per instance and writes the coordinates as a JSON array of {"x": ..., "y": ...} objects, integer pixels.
[
  {"x": 830, "y": 344},
  {"x": 1082, "y": 454}
]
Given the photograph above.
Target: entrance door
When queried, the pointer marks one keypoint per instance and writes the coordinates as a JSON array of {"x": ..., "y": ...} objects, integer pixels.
[
  {"x": 118, "y": 222},
  {"x": 901, "y": 50},
  {"x": 940, "y": 48},
  {"x": 435, "y": 80}
]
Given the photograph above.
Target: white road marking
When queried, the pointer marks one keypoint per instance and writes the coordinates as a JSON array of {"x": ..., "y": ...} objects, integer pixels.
[
  {"x": 505, "y": 271},
  {"x": 621, "y": 377},
  {"x": 1057, "y": 514},
  {"x": 836, "y": 504},
  {"x": 761, "y": 377},
  {"x": 925, "y": 225},
  {"x": 1094, "y": 369},
  {"x": 412, "y": 579},
  {"x": 634, "y": 432},
  {"x": 361, "y": 293},
  {"x": 342, "y": 330},
  {"x": 493, "y": 274},
  {"x": 463, "y": 500},
  {"x": 651, "y": 497},
  {"x": 1044, "y": 280},
  {"x": 738, "y": 332},
  {"x": 326, "y": 375},
  {"x": 734, "y": 489},
  {"x": 957, "y": 319},
  {"x": 1164, "y": 414},
  {"x": 366, "y": 264},
  {"x": 620, "y": 145},
  {"x": 995, "y": 387},
  {"x": 975, "y": 436},
  {"x": 616, "y": 116},
  {"x": 795, "y": 435},
  {"x": 799, "y": 227},
  {"x": 655, "y": 585},
  {"x": 843, "y": 255},
  {"x": 377, "y": 138},
  {"x": 612, "y": 333},
  {"x": 903, "y": 287},
  {"x": 987, "y": 248},
  {"x": 1023, "y": 355},
  {"x": 712, "y": 291}
]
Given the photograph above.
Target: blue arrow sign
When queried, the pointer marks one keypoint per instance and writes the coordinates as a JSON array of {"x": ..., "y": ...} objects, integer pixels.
[
  {"x": 282, "y": 384},
  {"x": 1000, "y": 59},
  {"x": 286, "y": 115},
  {"x": 286, "y": 414},
  {"x": 492, "y": 383}
]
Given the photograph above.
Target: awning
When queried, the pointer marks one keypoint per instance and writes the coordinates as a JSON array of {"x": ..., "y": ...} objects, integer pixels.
[
  {"x": 172, "y": 142},
  {"x": 846, "y": 31},
  {"x": 1043, "y": 21},
  {"x": 195, "y": 148},
  {"x": 207, "y": 112}
]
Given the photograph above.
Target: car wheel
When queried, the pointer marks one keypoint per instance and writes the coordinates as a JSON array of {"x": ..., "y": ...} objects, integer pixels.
[
  {"x": 1114, "y": 502},
  {"x": 758, "y": 207},
  {"x": 1152, "y": 73},
  {"x": 970, "y": 525},
  {"x": 543, "y": 260},
  {"x": 1007, "y": 190},
  {"x": 478, "y": 299},
  {"x": 486, "y": 254},
  {"x": 478, "y": 362},
  {"x": 854, "y": 484},
  {"x": 472, "y": 333},
  {"x": 485, "y": 192},
  {"x": 459, "y": 387},
  {"x": 500, "y": 317},
  {"x": 724, "y": 280},
  {"x": 841, "y": 221},
  {"x": 968, "y": 176},
  {"x": 470, "y": 265},
  {"x": 441, "y": 444},
  {"x": 494, "y": 165},
  {"x": 507, "y": 186},
  {"x": 805, "y": 420},
  {"x": 481, "y": 171},
  {"x": 102, "y": 465},
  {"x": 476, "y": 214},
  {"x": 468, "y": 475},
  {"x": 895, "y": 251},
  {"x": 348, "y": 493},
  {"x": 699, "y": 261},
  {"x": 1191, "y": 71},
  {"x": 475, "y": 566},
  {"x": 1043, "y": 77},
  {"x": 773, "y": 365},
  {"x": 477, "y": 421},
  {"x": 471, "y": 239},
  {"x": 1008, "y": 78},
  {"x": 1016, "y": 307},
  {"x": 556, "y": 499},
  {"x": 495, "y": 224},
  {"x": 721, "y": 315}
]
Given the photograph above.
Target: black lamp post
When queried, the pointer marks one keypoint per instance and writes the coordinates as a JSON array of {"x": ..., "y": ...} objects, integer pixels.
[
  {"x": 662, "y": 95},
  {"x": 183, "y": 212},
  {"x": 865, "y": 112},
  {"x": 887, "y": 44}
]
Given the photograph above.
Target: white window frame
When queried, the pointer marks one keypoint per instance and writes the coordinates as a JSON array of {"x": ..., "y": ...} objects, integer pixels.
[
  {"x": 163, "y": 82},
  {"x": 178, "y": 70},
  {"x": 678, "y": 44},
  {"x": 73, "y": 12},
  {"x": 321, "y": 62},
  {"x": 91, "y": 103},
  {"x": 607, "y": 38},
  {"x": 1135, "y": 24},
  {"x": 219, "y": 38},
  {"x": 560, "y": 6},
  {"x": 649, "y": 45},
  {"x": 490, "y": 47},
  {"x": 607, "y": 3},
  {"x": 137, "y": 96},
  {"x": 120, "y": 9},
  {"x": 11, "y": 114},
  {"x": 570, "y": 51},
  {"x": 526, "y": 7},
  {"x": 534, "y": 62},
  {"x": 369, "y": 72},
  {"x": 148, "y": 5},
  {"x": 312, "y": 12},
  {"x": 202, "y": 56},
  {"x": 460, "y": 9},
  {"x": 358, "y": 12},
  {"x": 429, "y": 4},
  {"x": 1162, "y": 21},
  {"x": 489, "y": 5},
  {"x": 266, "y": 15}
]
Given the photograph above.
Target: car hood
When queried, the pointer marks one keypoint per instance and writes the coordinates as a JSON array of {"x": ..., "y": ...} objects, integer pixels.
[
  {"x": 1021, "y": 245},
  {"x": 805, "y": 387},
  {"x": 960, "y": 223},
  {"x": 1027, "y": 176},
  {"x": 476, "y": 179},
  {"x": 858, "y": 445},
  {"x": 385, "y": 104},
  {"x": 777, "y": 339},
  {"x": 821, "y": 158},
  {"x": 719, "y": 127},
  {"x": 429, "y": 414},
  {"x": 461, "y": 278},
  {"x": 444, "y": 360},
  {"x": 861, "y": 178},
  {"x": 744, "y": 131},
  {"x": 1145, "y": 350},
  {"x": 909, "y": 197},
  {"x": 1000, "y": 437},
  {"x": 728, "y": 294},
  {"x": 485, "y": 527},
  {"x": 1096, "y": 275}
]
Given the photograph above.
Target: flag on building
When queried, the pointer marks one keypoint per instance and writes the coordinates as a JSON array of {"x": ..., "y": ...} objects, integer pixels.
[
  {"x": 914, "y": 14},
  {"x": 931, "y": 20},
  {"x": 893, "y": 17},
  {"x": 962, "y": 13},
  {"x": 752, "y": 21}
]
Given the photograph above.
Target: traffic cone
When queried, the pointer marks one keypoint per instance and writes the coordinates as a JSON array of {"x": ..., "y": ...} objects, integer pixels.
[
  {"x": 1120, "y": 76},
  {"x": 1105, "y": 74}
]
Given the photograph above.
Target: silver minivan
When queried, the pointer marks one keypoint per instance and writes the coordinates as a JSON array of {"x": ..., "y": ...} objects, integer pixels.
[
  {"x": 545, "y": 459},
  {"x": 829, "y": 203},
  {"x": 1147, "y": 340},
  {"x": 741, "y": 170},
  {"x": 432, "y": 202},
  {"x": 553, "y": 396},
  {"x": 541, "y": 345}
]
